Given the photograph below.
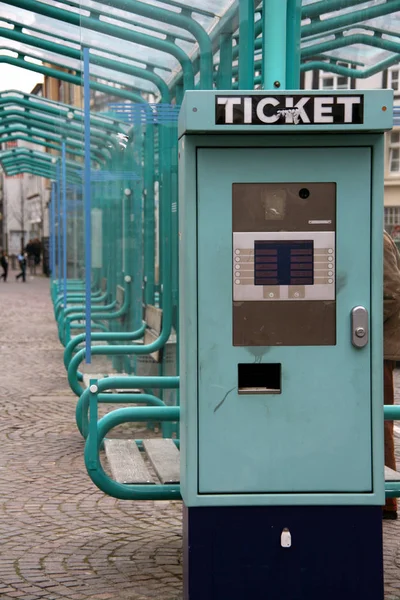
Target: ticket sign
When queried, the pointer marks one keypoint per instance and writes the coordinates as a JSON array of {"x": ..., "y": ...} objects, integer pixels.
[{"x": 290, "y": 109}]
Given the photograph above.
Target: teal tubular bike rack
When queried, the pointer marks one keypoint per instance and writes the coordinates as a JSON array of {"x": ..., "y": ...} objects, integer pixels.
[
  {"x": 73, "y": 363},
  {"x": 134, "y": 334},
  {"x": 82, "y": 406},
  {"x": 97, "y": 314},
  {"x": 97, "y": 432}
]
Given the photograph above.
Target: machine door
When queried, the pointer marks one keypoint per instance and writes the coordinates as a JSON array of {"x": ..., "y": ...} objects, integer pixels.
[{"x": 284, "y": 382}]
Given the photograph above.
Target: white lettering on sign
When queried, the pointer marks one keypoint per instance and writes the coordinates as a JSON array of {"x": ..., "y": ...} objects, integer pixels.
[
  {"x": 323, "y": 110},
  {"x": 260, "y": 110},
  {"x": 348, "y": 103},
  {"x": 289, "y": 110},
  {"x": 247, "y": 110},
  {"x": 229, "y": 104}
]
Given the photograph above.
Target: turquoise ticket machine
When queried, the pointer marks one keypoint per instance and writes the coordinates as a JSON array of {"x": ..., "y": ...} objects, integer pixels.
[{"x": 281, "y": 221}]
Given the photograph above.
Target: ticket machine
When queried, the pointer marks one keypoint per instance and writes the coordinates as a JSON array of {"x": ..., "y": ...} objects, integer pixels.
[{"x": 281, "y": 220}]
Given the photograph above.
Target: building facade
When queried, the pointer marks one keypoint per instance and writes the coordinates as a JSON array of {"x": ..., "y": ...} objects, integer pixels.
[
  {"x": 23, "y": 201},
  {"x": 389, "y": 78}
]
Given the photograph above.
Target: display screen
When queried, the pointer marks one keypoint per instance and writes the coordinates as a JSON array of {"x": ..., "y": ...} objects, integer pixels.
[{"x": 284, "y": 262}]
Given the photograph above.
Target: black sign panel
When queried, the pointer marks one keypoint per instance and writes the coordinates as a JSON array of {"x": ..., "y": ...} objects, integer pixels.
[{"x": 289, "y": 110}]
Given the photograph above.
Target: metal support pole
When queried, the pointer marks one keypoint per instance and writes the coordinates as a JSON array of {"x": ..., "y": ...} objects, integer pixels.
[
  {"x": 224, "y": 79},
  {"x": 274, "y": 44},
  {"x": 58, "y": 175},
  {"x": 87, "y": 204},
  {"x": 64, "y": 217},
  {"x": 137, "y": 231},
  {"x": 293, "y": 33},
  {"x": 149, "y": 214},
  {"x": 53, "y": 230},
  {"x": 246, "y": 44}
]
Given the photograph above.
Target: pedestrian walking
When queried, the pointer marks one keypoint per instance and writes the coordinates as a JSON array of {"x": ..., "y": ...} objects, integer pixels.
[
  {"x": 391, "y": 334},
  {"x": 4, "y": 266},
  {"x": 22, "y": 265},
  {"x": 33, "y": 250}
]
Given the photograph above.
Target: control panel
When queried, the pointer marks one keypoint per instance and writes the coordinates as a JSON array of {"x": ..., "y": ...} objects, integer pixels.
[
  {"x": 284, "y": 266},
  {"x": 284, "y": 254}
]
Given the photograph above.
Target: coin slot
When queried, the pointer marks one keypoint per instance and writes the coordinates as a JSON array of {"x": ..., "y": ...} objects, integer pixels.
[{"x": 259, "y": 378}]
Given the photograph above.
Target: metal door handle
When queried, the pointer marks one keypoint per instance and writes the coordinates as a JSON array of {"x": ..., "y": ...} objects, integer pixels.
[{"x": 359, "y": 326}]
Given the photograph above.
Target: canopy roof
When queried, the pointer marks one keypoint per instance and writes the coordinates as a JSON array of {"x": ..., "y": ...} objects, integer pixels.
[{"x": 150, "y": 42}]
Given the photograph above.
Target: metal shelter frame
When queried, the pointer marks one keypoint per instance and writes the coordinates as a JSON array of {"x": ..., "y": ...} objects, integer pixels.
[{"x": 125, "y": 181}]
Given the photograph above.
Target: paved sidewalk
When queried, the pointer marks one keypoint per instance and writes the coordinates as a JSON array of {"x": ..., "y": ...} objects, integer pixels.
[{"x": 60, "y": 537}]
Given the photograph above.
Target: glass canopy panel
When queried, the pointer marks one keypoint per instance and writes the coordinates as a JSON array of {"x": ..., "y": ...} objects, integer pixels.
[
  {"x": 351, "y": 31},
  {"x": 206, "y": 13},
  {"x": 75, "y": 65},
  {"x": 35, "y": 32},
  {"x": 129, "y": 235},
  {"x": 91, "y": 38}
]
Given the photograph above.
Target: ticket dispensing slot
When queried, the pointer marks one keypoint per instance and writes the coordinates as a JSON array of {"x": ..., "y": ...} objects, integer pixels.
[{"x": 259, "y": 378}]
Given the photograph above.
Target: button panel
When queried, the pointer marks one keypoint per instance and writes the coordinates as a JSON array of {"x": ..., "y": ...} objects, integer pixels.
[{"x": 245, "y": 260}]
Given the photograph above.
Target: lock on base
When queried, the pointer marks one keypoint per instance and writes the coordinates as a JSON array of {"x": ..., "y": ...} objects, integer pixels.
[{"x": 359, "y": 326}]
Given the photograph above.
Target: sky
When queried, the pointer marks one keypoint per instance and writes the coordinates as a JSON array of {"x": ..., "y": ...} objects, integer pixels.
[{"x": 14, "y": 78}]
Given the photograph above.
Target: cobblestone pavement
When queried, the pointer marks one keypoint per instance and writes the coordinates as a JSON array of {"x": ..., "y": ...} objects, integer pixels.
[{"x": 60, "y": 537}]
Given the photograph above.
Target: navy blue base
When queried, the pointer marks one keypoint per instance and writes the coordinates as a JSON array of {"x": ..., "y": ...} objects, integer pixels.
[{"x": 235, "y": 553}]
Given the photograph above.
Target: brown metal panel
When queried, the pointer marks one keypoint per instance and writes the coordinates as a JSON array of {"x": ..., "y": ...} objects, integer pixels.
[
  {"x": 280, "y": 207},
  {"x": 290, "y": 323}
]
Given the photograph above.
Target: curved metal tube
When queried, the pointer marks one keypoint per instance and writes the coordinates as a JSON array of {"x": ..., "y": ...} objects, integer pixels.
[
  {"x": 76, "y": 54},
  {"x": 129, "y": 336},
  {"x": 98, "y": 314},
  {"x": 109, "y": 29},
  {"x": 82, "y": 406},
  {"x": 349, "y": 40},
  {"x": 51, "y": 125},
  {"x": 105, "y": 123},
  {"x": 98, "y": 431},
  {"x": 64, "y": 324},
  {"x": 182, "y": 21},
  {"x": 101, "y": 87}
]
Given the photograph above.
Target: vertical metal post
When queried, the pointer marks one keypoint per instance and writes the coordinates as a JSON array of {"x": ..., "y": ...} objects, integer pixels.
[
  {"x": 87, "y": 203},
  {"x": 246, "y": 44},
  {"x": 179, "y": 94},
  {"x": 64, "y": 220},
  {"x": 137, "y": 231},
  {"x": 293, "y": 44},
  {"x": 53, "y": 230},
  {"x": 58, "y": 176},
  {"x": 149, "y": 212},
  {"x": 224, "y": 78},
  {"x": 274, "y": 16}
]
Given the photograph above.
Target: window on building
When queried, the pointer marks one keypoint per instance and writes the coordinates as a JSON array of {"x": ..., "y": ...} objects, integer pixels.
[
  {"x": 394, "y": 79},
  {"x": 394, "y": 151},
  {"x": 392, "y": 215},
  {"x": 333, "y": 81}
]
